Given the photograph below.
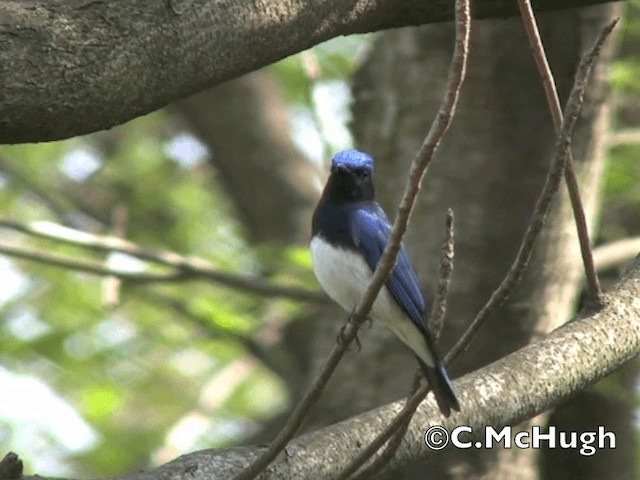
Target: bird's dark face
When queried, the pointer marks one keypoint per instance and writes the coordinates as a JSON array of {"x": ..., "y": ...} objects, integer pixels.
[{"x": 350, "y": 183}]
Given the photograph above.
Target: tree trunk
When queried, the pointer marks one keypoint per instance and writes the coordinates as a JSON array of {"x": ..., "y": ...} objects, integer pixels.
[{"x": 246, "y": 126}]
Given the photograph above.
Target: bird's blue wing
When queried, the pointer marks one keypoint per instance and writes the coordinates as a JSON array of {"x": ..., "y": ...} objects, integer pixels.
[{"x": 371, "y": 230}]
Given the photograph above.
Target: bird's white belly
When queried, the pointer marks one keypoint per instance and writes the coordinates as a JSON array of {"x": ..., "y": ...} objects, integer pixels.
[{"x": 345, "y": 276}]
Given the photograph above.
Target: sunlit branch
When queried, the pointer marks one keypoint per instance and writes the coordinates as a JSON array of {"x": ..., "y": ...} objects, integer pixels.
[
  {"x": 183, "y": 268},
  {"x": 616, "y": 254},
  {"x": 93, "y": 268}
]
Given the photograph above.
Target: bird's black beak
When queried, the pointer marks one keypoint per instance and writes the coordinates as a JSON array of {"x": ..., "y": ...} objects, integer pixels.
[{"x": 340, "y": 167}]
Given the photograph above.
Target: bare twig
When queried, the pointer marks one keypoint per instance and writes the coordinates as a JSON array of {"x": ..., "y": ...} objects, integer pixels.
[
  {"x": 184, "y": 268},
  {"x": 387, "y": 261},
  {"x": 88, "y": 267},
  {"x": 548, "y": 82},
  {"x": 439, "y": 309},
  {"x": 552, "y": 182}
]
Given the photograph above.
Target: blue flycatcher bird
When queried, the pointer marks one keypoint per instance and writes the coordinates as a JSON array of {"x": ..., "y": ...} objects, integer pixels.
[{"x": 349, "y": 233}]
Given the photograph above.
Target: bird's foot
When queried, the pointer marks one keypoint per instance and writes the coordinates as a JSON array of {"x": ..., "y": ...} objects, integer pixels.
[
  {"x": 341, "y": 337},
  {"x": 351, "y": 320}
]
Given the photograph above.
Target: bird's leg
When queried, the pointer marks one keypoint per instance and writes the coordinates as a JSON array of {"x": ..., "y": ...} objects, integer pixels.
[
  {"x": 367, "y": 321},
  {"x": 340, "y": 337}
]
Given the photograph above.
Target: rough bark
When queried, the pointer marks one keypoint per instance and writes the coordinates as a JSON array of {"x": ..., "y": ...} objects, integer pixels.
[{"x": 70, "y": 67}]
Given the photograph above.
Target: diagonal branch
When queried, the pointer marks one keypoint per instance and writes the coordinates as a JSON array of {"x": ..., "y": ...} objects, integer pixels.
[
  {"x": 139, "y": 56},
  {"x": 181, "y": 268}
]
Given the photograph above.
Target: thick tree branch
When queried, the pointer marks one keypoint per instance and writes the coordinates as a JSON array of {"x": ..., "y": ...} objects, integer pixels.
[
  {"x": 76, "y": 66},
  {"x": 506, "y": 392}
]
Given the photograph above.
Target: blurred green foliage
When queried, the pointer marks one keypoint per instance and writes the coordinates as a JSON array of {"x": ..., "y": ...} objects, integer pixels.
[
  {"x": 621, "y": 201},
  {"x": 168, "y": 369}
]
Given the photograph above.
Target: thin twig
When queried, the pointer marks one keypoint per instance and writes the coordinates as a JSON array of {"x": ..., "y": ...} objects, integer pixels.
[
  {"x": 88, "y": 267},
  {"x": 387, "y": 261},
  {"x": 185, "y": 268},
  {"x": 552, "y": 182},
  {"x": 551, "y": 93},
  {"x": 439, "y": 309}
]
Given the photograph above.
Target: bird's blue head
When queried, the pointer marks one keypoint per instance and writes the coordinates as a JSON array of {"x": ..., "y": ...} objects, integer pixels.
[
  {"x": 351, "y": 177},
  {"x": 353, "y": 160}
]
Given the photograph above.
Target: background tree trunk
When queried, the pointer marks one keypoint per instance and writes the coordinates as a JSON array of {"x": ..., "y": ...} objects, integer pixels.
[{"x": 245, "y": 123}]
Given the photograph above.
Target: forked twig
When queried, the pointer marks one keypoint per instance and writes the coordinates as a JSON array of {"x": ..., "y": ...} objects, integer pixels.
[
  {"x": 551, "y": 185},
  {"x": 387, "y": 261},
  {"x": 551, "y": 93}
]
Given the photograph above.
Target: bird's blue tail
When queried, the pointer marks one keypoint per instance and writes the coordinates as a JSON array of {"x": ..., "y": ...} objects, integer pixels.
[{"x": 441, "y": 387}]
